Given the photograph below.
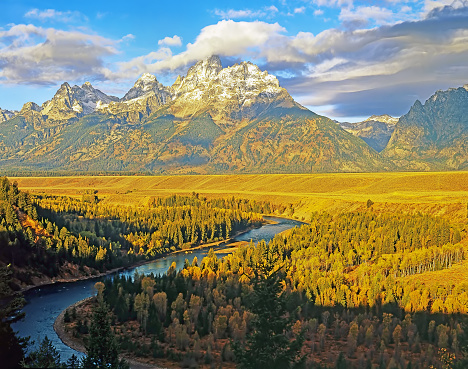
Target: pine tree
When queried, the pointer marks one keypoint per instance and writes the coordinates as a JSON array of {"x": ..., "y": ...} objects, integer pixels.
[
  {"x": 11, "y": 347},
  {"x": 73, "y": 362},
  {"x": 102, "y": 350},
  {"x": 46, "y": 356},
  {"x": 268, "y": 345}
]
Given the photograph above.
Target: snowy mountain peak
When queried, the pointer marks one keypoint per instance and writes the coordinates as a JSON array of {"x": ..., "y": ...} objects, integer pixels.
[
  {"x": 70, "y": 102},
  {"x": 30, "y": 106},
  {"x": 385, "y": 118},
  {"x": 145, "y": 85},
  {"x": 204, "y": 71},
  {"x": 208, "y": 67},
  {"x": 231, "y": 93},
  {"x": 147, "y": 78},
  {"x": 5, "y": 115},
  {"x": 63, "y": 87}
]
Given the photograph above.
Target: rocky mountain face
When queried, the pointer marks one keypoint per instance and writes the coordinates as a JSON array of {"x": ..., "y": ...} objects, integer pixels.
[
  {"x": 142, "y": 100},
  {"x": 6, "y": 114},
  {"x": 375, "y": 131},
  {"x": 73, "y": 102},
  {"x": 229, "y": 95},
  {"x": 212, "y": 120},
  {"x": 433, "y": 136}
]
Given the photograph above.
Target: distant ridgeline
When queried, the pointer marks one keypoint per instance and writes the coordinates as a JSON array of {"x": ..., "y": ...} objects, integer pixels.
[
  {"x": 62, "y": 237},
  {"x": 346, "y": 283},
  {"x": 224, "y": 120}
]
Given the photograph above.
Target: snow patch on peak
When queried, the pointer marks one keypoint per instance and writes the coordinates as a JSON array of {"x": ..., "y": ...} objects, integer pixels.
[
  {"x": 146, "y": 85},
  {"x": 64, "y": 86},
  {"x": 205, "y": 69},
  {"x": 385, "y": 118},
  {"x": 77, "y": 107},
  {"x": 147, "y": 78}
]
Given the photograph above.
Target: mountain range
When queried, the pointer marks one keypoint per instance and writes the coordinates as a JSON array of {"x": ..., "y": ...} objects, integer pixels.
[
  {"x": 375, "y": 131},
  {"x": 224, "y": 120}
]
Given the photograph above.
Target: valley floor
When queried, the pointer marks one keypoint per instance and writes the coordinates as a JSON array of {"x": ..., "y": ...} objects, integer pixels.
[{"x": 436, "y": 193}]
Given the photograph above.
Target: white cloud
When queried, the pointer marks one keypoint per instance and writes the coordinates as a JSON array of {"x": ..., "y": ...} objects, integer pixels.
[
  {"x": 128, "y": 37},
  {"x": 226, "y": 38},
  {"x": 348, "y": 65},
  {"x": 406, "y": 9},
  {"x": 318, "y": 12},
  {"x": 101, "y": 15},
  {"x": 171, "y": 41},
  {"x": 299, "y": 10},
  {"x": 333, "y": 3},
  {"x": 55, "y": 15},
  {"x": 362, "y": 15},
  {"x": 36, "y": 55},
  {"x": 246, "y": 13}
]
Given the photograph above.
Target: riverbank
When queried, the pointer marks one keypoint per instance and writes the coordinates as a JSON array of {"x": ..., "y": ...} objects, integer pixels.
[
  {"x": 46, "y": 304},
  {"x": 46, "y": 281},
  {"x": 229, "y": 241},
  {"x": 68, "y": 339}
]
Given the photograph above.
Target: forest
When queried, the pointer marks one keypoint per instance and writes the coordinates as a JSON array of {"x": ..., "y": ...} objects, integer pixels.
[
  {"x": 345, "y": 297},
  {"x": 45, "y": 235},
  {"x": 369, "y": 289}
]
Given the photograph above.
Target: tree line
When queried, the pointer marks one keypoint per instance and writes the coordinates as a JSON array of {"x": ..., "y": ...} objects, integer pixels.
[
  {"x": 344, "y": 288},
  {"x": 49, "y": 233}
]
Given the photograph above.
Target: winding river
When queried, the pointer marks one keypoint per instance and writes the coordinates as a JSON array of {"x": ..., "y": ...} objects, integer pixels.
[{"x": 45, "y": 303}]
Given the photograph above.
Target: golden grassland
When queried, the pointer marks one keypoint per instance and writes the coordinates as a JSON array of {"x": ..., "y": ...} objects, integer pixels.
[
  {"x": 437, "y": 193},
  {"x": 445, "y": 278}
]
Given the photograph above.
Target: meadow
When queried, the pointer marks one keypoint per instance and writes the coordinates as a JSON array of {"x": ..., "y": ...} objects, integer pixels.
[{"x": 435, "y": 193}]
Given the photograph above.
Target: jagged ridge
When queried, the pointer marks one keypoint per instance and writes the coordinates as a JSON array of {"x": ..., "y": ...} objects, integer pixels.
[
  {"x": 433, "y": 136},
  {"x": 212, "y": 120}
]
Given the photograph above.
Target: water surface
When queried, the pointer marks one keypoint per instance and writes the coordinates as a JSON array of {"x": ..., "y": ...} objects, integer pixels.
[{"x": 44, "y": 304}]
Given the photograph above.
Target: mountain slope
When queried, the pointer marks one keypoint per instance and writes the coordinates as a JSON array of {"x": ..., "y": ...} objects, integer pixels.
[
  {"x": 375, "y": 131},
  {"x": 433, "y": 136},
  {"x": 72, "y": 102},
  {"x": 6, "y": 114},
  {"x": 293, "y": 140},
  {"x": 212, "y": 120}
]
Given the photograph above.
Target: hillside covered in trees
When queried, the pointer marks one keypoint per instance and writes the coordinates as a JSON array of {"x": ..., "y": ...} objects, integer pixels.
[
  {"x": 342, "y": 291},
  {"x": 64, "y": 237}
]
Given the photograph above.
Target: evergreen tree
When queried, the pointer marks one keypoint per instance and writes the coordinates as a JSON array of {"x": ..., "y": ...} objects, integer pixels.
[
  {"x": 46, "y": 356},
  {"x": 267, "y": 346},
  {"x": 73, "y": 362},
  {"x": 341, "y": 362},
  {"x": 102, "y": 350},
  {"x": 11, "y": 347},
  {"x": 462, "y": 358}
]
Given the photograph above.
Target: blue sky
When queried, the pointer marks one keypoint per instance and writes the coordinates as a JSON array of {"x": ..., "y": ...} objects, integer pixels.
[{"x": 346, "y": 59}]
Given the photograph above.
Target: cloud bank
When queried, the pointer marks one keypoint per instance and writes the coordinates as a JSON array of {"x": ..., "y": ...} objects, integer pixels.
[
  {"x": 374, "y": 63},
  {"x": 45, "y": 56}
]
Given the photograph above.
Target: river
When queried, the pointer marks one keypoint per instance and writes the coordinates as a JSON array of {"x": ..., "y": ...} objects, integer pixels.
[{"x": 45, "y": 303}]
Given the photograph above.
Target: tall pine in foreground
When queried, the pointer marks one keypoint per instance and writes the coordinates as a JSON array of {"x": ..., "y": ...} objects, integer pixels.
[
  {"x": 45, "y": 356},
  {"x": 268, "y": 345},
  {"x": 102, "y": 350},
  {"x": 11, "y": 347}
]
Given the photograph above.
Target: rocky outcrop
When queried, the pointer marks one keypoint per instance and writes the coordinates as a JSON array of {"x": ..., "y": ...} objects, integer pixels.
[
  {"x": 143, "y": 99},
  {"x": 73, "y": 102},
  {"x": 6, "y": 114},
  {"x": 229, "y": 95},
  {"x": 433, "y": 136},
  {"x": 375, "y": 131}
]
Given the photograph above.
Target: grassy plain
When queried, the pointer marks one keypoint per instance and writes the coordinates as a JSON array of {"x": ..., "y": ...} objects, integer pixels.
[{"x": 442, "y": 193}]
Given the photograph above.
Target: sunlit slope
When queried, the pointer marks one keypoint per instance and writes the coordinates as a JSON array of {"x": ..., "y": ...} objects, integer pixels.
[{"x": 435, "y": 193}]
